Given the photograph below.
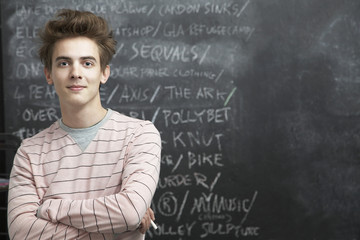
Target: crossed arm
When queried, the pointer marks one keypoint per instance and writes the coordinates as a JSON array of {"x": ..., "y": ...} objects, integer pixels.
[
  {"x": 23, "y": 221},
  {"x": 23, "y": 203},
  {"x": 30, "y": 217}
]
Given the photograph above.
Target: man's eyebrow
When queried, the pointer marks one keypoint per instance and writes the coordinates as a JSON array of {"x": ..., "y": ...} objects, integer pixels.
[
  {"x": 88, "y": 57},
  {"x": 62, "y": 58},
  {"x": 69, "y": 58}
]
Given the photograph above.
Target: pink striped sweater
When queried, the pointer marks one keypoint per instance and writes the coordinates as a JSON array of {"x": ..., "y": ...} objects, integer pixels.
[{"x": 59, "y": 192}]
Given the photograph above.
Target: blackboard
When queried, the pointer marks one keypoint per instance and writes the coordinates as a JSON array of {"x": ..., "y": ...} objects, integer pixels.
[{"x": 257, "y": 102}]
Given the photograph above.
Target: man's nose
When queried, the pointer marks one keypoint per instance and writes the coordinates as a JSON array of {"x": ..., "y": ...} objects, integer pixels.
[{"x": 76, "y": 71}]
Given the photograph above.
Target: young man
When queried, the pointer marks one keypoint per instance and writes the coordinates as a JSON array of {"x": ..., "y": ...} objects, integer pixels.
[{"x": 93, "y": 173}]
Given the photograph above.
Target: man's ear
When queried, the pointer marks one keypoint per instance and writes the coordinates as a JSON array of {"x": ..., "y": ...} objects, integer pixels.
[
  {"x": 105, "y": 75},
  {"x": 48, "y": 76}
]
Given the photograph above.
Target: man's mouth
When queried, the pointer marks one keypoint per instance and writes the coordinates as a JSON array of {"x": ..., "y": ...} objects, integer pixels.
[{"x": 76, "y": 88}]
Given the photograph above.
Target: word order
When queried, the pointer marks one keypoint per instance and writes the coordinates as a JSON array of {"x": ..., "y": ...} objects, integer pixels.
[{"x": 188, "y": 180}]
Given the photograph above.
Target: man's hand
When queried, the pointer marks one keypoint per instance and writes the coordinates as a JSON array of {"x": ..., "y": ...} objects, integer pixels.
[{"x": 146, "y": 221}]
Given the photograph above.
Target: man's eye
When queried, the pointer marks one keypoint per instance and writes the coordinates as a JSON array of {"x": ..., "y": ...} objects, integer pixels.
[
  {"x": 88, "y": 64},
  {"x": 63, "y": 64}
]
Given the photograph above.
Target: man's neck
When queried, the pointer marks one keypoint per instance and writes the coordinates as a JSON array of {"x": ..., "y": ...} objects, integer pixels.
[{"x": 82, "y": 118}]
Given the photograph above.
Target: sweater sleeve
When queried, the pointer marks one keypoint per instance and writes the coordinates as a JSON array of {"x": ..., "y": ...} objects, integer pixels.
[
  {"x": 23, "y": 202},
  {"x": 123, "y": 211}
]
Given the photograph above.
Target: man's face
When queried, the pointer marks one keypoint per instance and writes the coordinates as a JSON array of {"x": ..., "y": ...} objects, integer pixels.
[{"x": 76, "y": 72}]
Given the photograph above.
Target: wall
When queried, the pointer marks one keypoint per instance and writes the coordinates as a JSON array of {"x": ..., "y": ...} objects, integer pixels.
[{"x": 257, "y": 102}]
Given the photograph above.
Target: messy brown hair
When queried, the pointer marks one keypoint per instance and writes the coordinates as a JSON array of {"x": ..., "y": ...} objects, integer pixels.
[{"x": 71, "y": 23}]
